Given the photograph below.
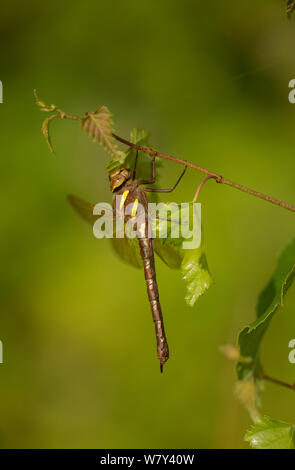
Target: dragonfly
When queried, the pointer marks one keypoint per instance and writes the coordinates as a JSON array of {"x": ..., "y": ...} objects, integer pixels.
[{"x": 123, "y": 183}]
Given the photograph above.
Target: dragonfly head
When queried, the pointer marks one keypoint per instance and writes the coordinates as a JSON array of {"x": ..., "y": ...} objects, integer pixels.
[{"x": 118, "y": 177}]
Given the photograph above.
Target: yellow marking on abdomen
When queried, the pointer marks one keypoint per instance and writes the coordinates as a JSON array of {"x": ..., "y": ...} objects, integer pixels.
[
  {"x": 134, "y": 208},
  {"x": 123, "y": 199}
]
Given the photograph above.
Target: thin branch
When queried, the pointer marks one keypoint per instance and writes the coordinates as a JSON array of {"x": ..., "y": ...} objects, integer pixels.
[
  {"x": 201, "y": 185},
  {"x": 264, "y": 376},
  {"x": 219, "y": 179}
]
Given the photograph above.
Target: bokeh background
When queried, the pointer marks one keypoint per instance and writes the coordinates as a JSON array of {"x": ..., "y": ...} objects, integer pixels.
[{"x": 210, "y": 82}]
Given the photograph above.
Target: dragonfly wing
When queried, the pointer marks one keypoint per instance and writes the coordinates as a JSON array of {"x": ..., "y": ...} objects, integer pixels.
[{"x": 126, "y": 248}]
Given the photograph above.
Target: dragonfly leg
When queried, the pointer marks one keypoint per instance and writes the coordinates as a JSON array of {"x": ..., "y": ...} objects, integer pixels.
[
  {"x": 153, "y": 175},
  {"x": 154, "y": 190},
  {"x": 134, "y": 168}
]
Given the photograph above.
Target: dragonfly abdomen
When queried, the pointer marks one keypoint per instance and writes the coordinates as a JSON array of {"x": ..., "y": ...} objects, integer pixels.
[{"x": 147, "y": 254}]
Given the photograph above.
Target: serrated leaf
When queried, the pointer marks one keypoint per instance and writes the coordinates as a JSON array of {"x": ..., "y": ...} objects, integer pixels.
[
  {"x": 290, "y": 7},
  {"x": 98, "y": 125},
  {"x": 230, "y": 351},
  {"x": 270, "y": 299},
  {"x": 271, "y": 434}
]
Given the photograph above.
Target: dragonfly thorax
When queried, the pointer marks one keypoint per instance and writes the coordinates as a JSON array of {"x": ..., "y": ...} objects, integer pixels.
[{"x": 118, "y": 178}]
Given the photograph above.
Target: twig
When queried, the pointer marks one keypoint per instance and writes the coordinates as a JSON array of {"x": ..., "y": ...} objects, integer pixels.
[
  {"x": 219, "y": 179},
  {"x": 264, "y": 376}
]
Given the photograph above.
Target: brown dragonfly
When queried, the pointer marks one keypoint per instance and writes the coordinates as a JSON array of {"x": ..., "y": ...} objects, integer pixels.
[{"x": 123, "y": 183}]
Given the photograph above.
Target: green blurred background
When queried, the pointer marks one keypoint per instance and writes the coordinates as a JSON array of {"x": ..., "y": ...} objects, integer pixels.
[{"x": 210, "y": 81}]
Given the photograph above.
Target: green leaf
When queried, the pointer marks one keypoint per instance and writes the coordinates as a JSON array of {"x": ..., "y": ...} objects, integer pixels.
[
  {"x": 290, "y": 7},
  {"x": 191, "y": 262},
  {"x": 270, "y": 299},
  {"x": 164, "y": 222},
  {"x": 271, "y": 434},
  {"x": 98, "y": 125},
  {"x": 83, "y": 208}
]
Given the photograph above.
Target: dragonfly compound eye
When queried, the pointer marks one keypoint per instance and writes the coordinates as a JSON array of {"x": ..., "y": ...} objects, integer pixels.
[{"x": 118, "y": 177}]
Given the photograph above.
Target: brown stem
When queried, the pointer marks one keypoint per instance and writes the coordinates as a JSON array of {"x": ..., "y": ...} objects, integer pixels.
[
  {"x": 201, "y": 185},
  {"x": 264, "y": 376},
  {"x": 64, "y": 115},
  {"x": 219, "y": 179}
]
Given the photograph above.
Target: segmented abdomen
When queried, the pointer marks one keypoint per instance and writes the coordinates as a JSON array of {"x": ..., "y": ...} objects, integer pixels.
[{"x": 147, "y": 254}]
